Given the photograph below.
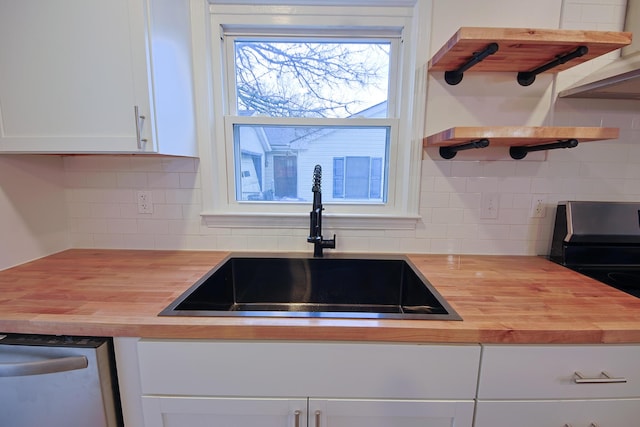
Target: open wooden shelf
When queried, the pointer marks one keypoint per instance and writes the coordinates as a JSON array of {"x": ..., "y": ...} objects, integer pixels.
[
  {"x": 523, "y": 49},
  {"x": 517, "y": 136}
]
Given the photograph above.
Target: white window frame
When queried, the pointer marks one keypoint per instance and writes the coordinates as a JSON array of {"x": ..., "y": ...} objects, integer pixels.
[{"x": 406, "y": 112}]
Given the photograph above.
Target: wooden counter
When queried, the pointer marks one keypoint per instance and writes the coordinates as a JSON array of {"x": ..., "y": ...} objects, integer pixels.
[{"x": 502, "y": 299}]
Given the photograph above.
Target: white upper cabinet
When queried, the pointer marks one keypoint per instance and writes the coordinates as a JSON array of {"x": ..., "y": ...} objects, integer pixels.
[{"x": 73, "y": 74}]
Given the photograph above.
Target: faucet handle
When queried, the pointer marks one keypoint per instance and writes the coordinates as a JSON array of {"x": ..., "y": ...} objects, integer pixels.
[{"x": 329, "y": 244}]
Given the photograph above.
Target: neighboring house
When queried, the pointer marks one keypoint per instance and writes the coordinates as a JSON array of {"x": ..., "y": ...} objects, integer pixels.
[{"x": 277, "y": 162}]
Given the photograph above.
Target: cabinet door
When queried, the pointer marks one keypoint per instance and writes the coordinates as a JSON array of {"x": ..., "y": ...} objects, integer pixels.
[
  {"x": 173, "y": 411},
  {"x": 71, "y": 72},
  {"x": 574, "y": 413},
  {"x": 389, "y": 413}
]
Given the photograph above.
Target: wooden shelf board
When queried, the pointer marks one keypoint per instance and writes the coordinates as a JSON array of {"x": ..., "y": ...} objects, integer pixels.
[
  {"x": 518, "y": 135},
  {"x": 523, "y": 49}
]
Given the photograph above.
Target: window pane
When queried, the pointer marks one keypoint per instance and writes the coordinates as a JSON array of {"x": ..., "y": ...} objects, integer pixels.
[
  {"x": 275, "y": 162},
  {"x": 312, "y": 79},
  {"x": 357, "y": 178},
  {"x": 338, "y": 177},
  {"x": 376, "y": 178}
]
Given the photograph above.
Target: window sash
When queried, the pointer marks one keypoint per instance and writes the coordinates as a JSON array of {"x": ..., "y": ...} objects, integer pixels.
[
  {"x": 230, "y": 71},
  {"x": 233, "y": 161}
]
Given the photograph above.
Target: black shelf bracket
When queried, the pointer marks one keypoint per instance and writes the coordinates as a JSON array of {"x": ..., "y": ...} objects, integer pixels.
[
  {"x": 450, "y": 152},
  {"x": 525, "y": 78},
  {"x": 454, "y": 77},
  {"x": 518, "y": 153}
]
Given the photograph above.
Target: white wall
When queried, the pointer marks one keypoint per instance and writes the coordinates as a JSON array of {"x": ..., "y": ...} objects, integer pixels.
[
  {"x": 101, "y": 189},
  {"x": 33, "y": 217}
]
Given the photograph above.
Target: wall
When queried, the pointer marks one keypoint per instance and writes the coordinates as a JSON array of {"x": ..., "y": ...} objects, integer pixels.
[
  {"x": 32, "y": 208},
  {"x": 101, "y": 189}
]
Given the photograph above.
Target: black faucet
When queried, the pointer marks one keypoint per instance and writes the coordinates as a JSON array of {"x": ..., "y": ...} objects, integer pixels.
[{"x": 315, "y": 226}]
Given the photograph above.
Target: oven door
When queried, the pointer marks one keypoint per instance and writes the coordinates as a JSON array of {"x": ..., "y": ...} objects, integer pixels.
[{"x": 55, "y": 386}]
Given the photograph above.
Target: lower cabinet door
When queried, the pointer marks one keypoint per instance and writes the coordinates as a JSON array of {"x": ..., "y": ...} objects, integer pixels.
[
  {"x": 175, "y": 411},
  {"x": 389, "y": 413},
  {"x": 190, "y": 411},
  {"x": 559, "y": 413}
]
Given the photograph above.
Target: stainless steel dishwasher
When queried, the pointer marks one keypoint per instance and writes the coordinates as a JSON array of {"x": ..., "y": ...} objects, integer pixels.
[{"x": 57, "y": 381}]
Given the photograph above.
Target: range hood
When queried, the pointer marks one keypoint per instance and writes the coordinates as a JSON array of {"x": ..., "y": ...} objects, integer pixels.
[{"x": 621, "y": 78}]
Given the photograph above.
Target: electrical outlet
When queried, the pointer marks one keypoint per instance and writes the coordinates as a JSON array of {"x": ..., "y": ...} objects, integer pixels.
[
  {"x": 489, "y": 205},
  {"x": 145, "y": 205},
  {"x": 538, "y": 208}
]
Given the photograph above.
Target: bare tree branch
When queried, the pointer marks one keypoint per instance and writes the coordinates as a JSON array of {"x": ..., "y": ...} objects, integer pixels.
[{"x": 308, "y": 79}]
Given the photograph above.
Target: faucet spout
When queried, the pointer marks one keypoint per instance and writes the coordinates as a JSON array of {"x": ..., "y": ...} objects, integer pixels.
[{"x": 315, "y": 218}]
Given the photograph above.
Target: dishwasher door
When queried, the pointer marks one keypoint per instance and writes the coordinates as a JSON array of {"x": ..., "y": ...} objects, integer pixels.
[{"x": 57, "y": 381}]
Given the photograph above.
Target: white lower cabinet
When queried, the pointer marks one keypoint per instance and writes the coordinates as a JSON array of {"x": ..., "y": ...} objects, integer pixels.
[
  {"x": 174, "y": 411},
  {"x": 284, "y": 384},
  {"x": 181, "y": 383},
  {"x": 559, "y": 386},
  {"x": 559, "y": 413},
  {"x": 167, "y": 411},
  {"x": 389, "y": 413}
]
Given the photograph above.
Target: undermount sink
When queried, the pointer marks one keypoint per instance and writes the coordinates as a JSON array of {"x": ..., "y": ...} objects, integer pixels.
[{"x": 330, "y": 287}]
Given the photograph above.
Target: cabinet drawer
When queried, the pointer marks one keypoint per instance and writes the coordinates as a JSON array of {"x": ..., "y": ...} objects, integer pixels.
[
  {"x": 315, "y": 369},
  {"x": 575, "y": 413},
  {"x": 547, "y": 372}
]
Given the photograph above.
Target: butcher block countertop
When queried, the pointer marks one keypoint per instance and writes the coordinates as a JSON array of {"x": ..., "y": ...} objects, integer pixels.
[{"x": 502, "y": 299}]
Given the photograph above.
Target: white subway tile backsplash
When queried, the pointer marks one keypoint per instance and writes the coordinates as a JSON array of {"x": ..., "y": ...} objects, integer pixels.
[
  {"x": 185, "y": 227},
  {"x": 514, "y": 185},
  {"x": 163, "y": 180},
  {"x": 153, "y": 226},
  {"x": 108, "y": 241},
  {"x": 131, "y": 179},
  {"x": 104, "y": 210},
  {"x": 544, "y": 185},
  {"x": 447, "y": 215},
  {"x": 436, "y": 200},
  {"x": 182, "y": 196},
  {"x": 598, "y": 13},
  {"x": 179, "y": 164},
  {"x": 122, "y": 226},
  {"x": 448, "y": 184},
  {"x": 482, "y": 184},
  {"x": 189, "y": 180},
  {"x": 500, "y": 168},
  {"x": 462, "y": 231},
  {"x": 138, "y": 241},
  {"x": 101, "y": 190},
  {"x": 165, "y": 211}
]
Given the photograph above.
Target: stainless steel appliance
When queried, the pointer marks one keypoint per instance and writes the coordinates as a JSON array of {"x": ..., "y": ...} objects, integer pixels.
[
  {"x": 57, "y": 381},
  {"x": 600, "y": 240}
]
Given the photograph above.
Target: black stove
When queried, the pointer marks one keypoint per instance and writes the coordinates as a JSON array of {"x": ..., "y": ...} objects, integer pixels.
[{"x": 600, "y": 240}]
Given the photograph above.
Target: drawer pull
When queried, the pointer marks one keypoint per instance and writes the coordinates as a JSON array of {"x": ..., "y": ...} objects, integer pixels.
[
  {"x": 317, "y": 418},
  {"x": 296, "y": 418},
  {"x": 590, "y": 425},
  {"x": 604, "y": 378}
]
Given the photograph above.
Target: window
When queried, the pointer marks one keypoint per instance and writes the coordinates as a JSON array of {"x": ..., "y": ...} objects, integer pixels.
[
  {"x": 357, "y": 178},
  {"x": 308, "y": 85},
  {"x": 280, "y": 169}
]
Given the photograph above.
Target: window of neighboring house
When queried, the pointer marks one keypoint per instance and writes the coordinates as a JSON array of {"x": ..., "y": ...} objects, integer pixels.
[
  {"x": 307, "y": 90},
  {"x": 357, "y": 177}
]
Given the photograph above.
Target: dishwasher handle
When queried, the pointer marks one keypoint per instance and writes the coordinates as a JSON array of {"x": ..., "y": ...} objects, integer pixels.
[{"x": 49, "y": 366}]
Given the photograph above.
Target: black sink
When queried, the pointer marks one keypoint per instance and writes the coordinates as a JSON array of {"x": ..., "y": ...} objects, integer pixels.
[{"x": 313, "y": 287}]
